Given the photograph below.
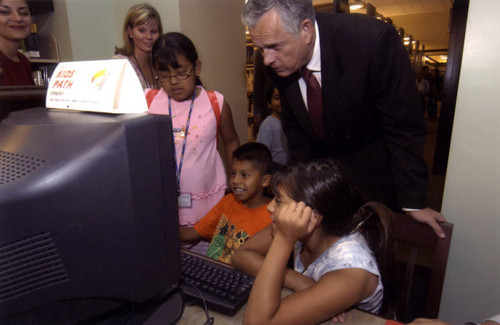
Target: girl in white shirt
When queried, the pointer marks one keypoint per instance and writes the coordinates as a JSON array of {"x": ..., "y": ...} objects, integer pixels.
[{"x": 342, "y": 247}]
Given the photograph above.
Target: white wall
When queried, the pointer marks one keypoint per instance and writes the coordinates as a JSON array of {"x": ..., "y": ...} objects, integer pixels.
[
  {"x": 90, "y": 23},
  {"x": 219, "y": 36},
  {"x": 472, "y": 188},
  {"x": 84, "y": 29}
]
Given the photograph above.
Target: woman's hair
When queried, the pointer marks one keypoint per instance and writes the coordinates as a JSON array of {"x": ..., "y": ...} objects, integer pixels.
[
  {"x": 137, "y": 15},
  {"x": 168, "y": 46},
  {"x": 323, "y": 186},
  {"x": 292, "y": 12}
]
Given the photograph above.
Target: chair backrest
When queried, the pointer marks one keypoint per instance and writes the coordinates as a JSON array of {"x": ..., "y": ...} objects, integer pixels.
[{"x": 417, "y": 249}]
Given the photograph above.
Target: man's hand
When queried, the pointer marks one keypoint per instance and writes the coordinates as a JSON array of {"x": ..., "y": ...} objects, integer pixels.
[{"x": 430, "y": 217}]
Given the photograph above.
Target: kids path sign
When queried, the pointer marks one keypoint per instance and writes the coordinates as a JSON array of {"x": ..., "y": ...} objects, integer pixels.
[{"x": 106, "y": 86}]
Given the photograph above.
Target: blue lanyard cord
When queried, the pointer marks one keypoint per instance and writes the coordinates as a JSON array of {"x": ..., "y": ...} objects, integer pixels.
[{"x": 178, "y": 169}]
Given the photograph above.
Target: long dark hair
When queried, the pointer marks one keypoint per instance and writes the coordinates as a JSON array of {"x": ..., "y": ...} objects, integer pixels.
[
  {"x": 168, "y": 46},
  {"x": 323, "y": 186}
]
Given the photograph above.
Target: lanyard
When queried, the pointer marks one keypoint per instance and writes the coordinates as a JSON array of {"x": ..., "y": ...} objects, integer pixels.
[
  {"x": 142, "y": 73},
  {"x": 178, "y": 169}
]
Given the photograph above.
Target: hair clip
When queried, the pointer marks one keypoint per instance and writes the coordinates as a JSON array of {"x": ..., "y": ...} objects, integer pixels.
[{"x": 361, "y": 223}]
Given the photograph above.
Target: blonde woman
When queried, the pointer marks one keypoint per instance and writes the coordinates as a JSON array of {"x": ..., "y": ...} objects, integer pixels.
[{"x": 141, "y": 29}]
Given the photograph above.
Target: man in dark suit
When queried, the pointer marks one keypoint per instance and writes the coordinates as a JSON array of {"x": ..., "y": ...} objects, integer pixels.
[{"x": 370, "y": 118}]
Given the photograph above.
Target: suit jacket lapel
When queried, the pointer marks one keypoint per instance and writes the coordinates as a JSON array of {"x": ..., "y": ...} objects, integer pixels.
[{"x": 297, "y": 105}]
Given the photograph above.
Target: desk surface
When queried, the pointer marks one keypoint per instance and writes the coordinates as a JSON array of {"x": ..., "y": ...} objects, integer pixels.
[{"x": 196, "y": 315}]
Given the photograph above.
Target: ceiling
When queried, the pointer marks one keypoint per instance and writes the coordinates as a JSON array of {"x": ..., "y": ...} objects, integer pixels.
[
  {"x": 392, "y": 8},
  {"x": 426, "y": 20}
]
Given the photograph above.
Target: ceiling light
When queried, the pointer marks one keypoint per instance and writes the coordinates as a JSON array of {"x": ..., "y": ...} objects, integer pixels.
[{"x": 356, "y": 5}]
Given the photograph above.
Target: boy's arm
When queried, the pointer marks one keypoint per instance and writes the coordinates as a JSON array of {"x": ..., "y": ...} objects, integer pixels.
[
  {"x": 188, "y": 234},
  {"x": 205, "y": 226}
]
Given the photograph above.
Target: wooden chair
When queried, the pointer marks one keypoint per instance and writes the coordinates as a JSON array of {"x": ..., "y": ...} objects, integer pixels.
[{"x": 418, "y": 248}]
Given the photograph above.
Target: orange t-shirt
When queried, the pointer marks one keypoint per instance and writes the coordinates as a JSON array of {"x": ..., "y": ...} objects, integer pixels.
[{"x": 230, "y": 224}]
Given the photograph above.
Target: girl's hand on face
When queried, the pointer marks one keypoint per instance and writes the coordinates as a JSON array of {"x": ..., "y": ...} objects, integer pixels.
[{"x": 296, "y": 220}]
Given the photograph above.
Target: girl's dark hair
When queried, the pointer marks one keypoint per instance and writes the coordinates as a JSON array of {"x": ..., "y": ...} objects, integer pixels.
[
  {"x": 323, "y": 186},
  {"x": 269, "y": 92},
  {"x": 168, "y": 46}
]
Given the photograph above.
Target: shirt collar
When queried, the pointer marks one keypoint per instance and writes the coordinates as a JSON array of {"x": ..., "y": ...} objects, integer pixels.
[{"x": 315, "y": 62}]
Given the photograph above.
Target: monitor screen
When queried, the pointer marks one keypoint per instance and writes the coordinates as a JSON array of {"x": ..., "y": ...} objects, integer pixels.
[{"x": 88, "y": 214}]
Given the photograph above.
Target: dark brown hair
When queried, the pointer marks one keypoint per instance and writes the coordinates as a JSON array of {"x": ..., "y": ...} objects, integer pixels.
[
  {"x": 168, "y": 46},
  {"x": 258, "y": 154}
]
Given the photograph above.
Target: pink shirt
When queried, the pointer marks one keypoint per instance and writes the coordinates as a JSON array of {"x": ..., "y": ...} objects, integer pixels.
[{"x": 203, "y": 174}]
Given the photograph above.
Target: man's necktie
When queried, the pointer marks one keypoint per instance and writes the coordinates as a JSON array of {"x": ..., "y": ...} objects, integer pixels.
[{"x": 314, "y": 102}]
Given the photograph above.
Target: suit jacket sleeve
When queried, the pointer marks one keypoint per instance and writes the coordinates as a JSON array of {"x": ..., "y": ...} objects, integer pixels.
[{"x": 394, "y": 90}]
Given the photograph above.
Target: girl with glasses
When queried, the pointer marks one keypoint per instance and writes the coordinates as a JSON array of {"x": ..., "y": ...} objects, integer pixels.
[{"x": 198, "y": 117}]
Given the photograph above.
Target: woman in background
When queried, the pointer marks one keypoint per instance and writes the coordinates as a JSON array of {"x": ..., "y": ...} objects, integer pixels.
[
  {"x": 15, "y": 23},
  {"x": 141, "y": 29}
]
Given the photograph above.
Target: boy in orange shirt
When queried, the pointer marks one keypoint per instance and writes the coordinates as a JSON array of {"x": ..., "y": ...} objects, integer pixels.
[{"x": 243, "y": 212}]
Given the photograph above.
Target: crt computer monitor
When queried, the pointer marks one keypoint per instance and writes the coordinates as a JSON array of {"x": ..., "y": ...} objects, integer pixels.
[{"x": 88, "y": 214}]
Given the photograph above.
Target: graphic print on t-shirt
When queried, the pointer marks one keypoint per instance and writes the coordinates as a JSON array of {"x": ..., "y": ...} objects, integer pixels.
[{"x": 226, "y": 239}]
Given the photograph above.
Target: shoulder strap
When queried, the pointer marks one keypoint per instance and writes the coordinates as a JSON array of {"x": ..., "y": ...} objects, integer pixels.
[
  {"x": 150, "y": 95},
  {"x": 215, "y": 106}
]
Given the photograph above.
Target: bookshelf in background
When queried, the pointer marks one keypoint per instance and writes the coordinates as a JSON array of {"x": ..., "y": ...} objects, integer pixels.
[
  {"x": 249, "y": 76},
  {"x": 43, "y": 55}
]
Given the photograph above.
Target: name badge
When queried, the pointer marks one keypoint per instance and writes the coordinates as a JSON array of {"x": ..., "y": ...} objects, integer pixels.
[{"x": 184, "y": 200}]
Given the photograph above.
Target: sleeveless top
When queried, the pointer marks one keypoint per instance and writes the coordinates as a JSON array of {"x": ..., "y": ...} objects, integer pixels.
[
  {"x": 348, "y": 252},
  {"x": 203, "y": 174}
]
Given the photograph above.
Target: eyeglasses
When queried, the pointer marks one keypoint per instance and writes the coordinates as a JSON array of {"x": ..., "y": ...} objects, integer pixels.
[{"x": 179, "y": 76}]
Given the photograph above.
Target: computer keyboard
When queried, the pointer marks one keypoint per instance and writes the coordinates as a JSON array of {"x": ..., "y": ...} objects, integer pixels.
[{"x": 224, "y": 288}]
